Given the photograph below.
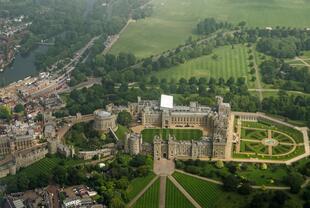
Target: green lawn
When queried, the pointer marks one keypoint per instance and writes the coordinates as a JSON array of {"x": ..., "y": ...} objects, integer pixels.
[
  {"x": 150, "y": 198},
  {"x": 174, "y": 198},
  {"x": 121, "y": 132},
  {"x": 180, "y": 134},
  {"x": 258, "y": 148},
  {"x": 137, "y": 184},
  {"x": 205, "y": 193},
  {"x": 230, "y": 63},
  {"x": 173, "y": 21}
]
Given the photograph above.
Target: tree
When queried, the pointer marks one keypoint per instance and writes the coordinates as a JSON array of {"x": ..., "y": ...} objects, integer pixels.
[
  {"x": 19, "y": 108},
  {"x": 124, "y": 118},
  {"x": 116, "y": 202},
  {"x": 294, "y": 180},
  {"x": 230, "y": 183},
  {"x": 245, "y": 189},
  {"x": 60, "y": 175},
  {"x": 219, "y": 164},
  {"x": 5, "y": 112}
]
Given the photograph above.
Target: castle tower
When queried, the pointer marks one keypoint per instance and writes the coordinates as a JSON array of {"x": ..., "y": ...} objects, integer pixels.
[
  {"x": 172, "y": 148},
  {"x": 157, "y": 147}
]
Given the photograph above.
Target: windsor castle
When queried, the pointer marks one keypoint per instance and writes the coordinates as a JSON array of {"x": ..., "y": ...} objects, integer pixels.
[{"x": 214, "y": 122}]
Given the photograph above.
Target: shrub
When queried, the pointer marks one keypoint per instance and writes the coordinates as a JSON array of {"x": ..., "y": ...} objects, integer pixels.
[{"x": 219, "y": 164}]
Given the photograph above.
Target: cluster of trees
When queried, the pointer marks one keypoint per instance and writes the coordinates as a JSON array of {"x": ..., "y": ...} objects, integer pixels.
[
  {"x": 279, "y": 47},
  {"x": 124, "y": 118},
  {"x": 142, "y": 12},
  {"x": 274, "y": 199},
  {"x": 285, "y": 76},
  {"x": 83, "y": 137},
  {"x": 210, "y": 25},
  {"x": 290, "y": 106},
  {"x": 112, "y": 62},
  {"x": 5, "y": 112},
  {"x": 112, "y": 183}
]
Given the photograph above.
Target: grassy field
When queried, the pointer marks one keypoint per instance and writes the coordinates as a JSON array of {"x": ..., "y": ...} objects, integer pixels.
[
  {"x": 137, "y": 184},
  {"x": 230, "y": 63},
  {"x": 205, "y": 193},
  {"x": 174, "y": 198},
  {"x": 173, "y": 21},
  {"x": 181, "y": 134},
  {"x": 150, "y": 198},
  {"x": 121, "y": 132}
]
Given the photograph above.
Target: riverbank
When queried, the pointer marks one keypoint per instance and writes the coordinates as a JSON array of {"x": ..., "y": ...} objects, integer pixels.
[{"x": 21, "y": 67}]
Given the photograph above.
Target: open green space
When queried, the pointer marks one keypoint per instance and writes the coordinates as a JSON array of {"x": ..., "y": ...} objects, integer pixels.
[
  {"x": 205, "y": 193},
  {"x": 174, "y": 198},
  {"x": 121, "y": 132},
  {"x": 150, "y": 198},
  {"x": 228, "y": 63},
  {"x": 137, "y": 184},
  {"x": 173, "y": 21},
  {"x": 180, "y": 134}
]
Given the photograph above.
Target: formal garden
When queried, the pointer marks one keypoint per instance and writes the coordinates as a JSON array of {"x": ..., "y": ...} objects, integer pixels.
[{"x": 267, "y": 140}]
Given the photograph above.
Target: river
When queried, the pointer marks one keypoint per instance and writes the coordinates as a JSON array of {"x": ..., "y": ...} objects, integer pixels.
[{"x": 22, "y": 67}]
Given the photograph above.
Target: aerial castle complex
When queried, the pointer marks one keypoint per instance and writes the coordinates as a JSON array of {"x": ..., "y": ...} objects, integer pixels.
[{"x": 164, "y": 114}]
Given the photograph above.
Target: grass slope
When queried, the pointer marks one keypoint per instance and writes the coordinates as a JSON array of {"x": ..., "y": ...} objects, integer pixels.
[
  {"x": 137, "y": 184},
  {"x": 45, "y": 165},
  {"x": 205, "y": 193},
  {"x": 174, "y": 198},
  {"x": 230, "y": 63},
  {"x": 150, "y": 198},
  {"x": 174, "y": 20}
]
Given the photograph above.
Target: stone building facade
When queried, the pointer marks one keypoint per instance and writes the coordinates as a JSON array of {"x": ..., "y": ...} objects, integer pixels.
[
  {"x": 133, "y": 144},
  {"x": 22, "y": 159},
  {"x": 104, "y": 120},
  {"x": 11, "y": 143},
  {"x": 173, "y": 148},
  {"x": 216, "y": 121}
]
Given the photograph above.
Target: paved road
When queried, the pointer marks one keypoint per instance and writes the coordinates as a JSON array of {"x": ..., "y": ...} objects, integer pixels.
[
  {"x": 184, "y": 192},
  {"x": 162, "y": 191},
  {"x": 134, "y": 200},
  {"x": 303, "y": 61}
]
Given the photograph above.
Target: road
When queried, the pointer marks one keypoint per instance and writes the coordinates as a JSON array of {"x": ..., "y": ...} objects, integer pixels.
[
  {"x": 162, "y": 191},
  {"x": 87, "y": 84},
  {"x": 114, "y": 38},
  {"x": 303, "y": 61}
]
